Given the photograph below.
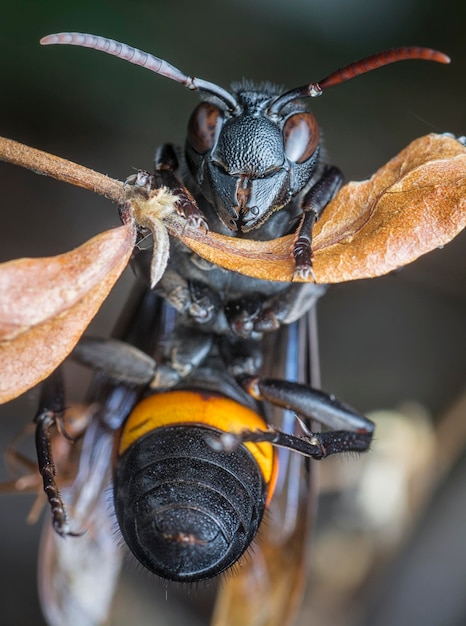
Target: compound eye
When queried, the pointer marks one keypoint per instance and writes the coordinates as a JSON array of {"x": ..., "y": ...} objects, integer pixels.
[
  {"x": 204, "y": 126},
  {"x": 300, "y": 137}
]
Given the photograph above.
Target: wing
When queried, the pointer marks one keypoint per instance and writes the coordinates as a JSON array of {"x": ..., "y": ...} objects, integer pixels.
[
  {"x": 78, "y": 575},
  {"x": 267, "y": 586}
]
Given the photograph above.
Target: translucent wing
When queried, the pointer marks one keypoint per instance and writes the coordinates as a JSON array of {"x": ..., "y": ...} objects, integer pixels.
[
  {"x": 267, "y": 586},
  {"x": 78, "y": 575}
]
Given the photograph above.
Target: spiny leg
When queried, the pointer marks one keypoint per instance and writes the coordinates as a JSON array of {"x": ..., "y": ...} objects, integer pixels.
[
  {"x": 313, "y": 205},
  {"x": 314, "y": 445},
  {"x": 166, "y": 164},
  {"x": 350, "y": 431},
  {"x": 51, "y": 409}
]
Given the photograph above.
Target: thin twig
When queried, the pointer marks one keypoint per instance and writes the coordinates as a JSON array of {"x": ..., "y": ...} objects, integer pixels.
[
  {"x": 50, "y": 165},
  {"x": 66, "y": 171}
]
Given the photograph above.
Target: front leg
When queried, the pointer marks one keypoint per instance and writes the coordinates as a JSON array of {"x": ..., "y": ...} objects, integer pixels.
[
  {"x": 313, "y": 205},
  {"x": 166, "y": 164}
]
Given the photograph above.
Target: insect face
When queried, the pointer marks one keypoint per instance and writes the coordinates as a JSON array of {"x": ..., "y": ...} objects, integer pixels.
[
  {"x": 186, "y": 510},
  {"x": 248, "y": 163},
  {"x": 252, "y": 151}
]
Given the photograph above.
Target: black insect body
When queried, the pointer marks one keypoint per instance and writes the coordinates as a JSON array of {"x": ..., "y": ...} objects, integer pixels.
[
  {"x": 186, "y": 506},
  {"x": 253, "y": 159},
  {"x": 195, "y": 463}
]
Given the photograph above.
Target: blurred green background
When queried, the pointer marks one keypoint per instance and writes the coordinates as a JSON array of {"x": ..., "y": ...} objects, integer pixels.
[{"x": 382, "y": 342}]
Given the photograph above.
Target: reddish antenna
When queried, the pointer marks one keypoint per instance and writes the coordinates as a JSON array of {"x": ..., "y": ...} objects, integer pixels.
[{"x": 356, "y": 69}]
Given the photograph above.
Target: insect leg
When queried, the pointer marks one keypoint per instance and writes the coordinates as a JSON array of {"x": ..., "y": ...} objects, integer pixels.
[
  {"x": 205, "y": 303},
  {"x": 350, "y": 431},
  {"x": 290, "y": 305},
  {"x": 119, "y": 360},
  {"x": 51, "y": 408},
  {"x": 245, "y": 316},
  {"x": 123, "y": 363},
  {"x": 311, "y": 404},
  {"x": 194, "y": 299},
  {"x": 314, "y": 445},
  {"x": 28, "y": 481},
  {"x": 166, "y": 164},
  {"x": 313, "y": 205},
  {"x": 185, "y": 350}
]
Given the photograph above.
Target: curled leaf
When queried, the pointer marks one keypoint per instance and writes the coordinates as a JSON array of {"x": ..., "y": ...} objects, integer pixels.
[
  {"x": 47, "y": 303},
  {"x": 410, "y": 206}
]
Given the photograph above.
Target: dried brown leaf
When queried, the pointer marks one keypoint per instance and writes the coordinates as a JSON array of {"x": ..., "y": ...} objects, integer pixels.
[
  {"x": 47, "y": 303},
  {"x": 412, "y": 205}
]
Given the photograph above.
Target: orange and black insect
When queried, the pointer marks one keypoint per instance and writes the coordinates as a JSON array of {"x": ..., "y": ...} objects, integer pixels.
[
  {"x": 196, "y": 464},
  {"x": 186, "y": 510},
  {"x": 204, "y": 394}
]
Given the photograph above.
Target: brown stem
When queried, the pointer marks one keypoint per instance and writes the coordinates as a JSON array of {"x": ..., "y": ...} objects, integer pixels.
[{"x": 50, "y": 165}]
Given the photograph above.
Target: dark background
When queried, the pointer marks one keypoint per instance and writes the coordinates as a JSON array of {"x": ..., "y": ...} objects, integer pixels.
[{"x": 383, "y": 342}]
